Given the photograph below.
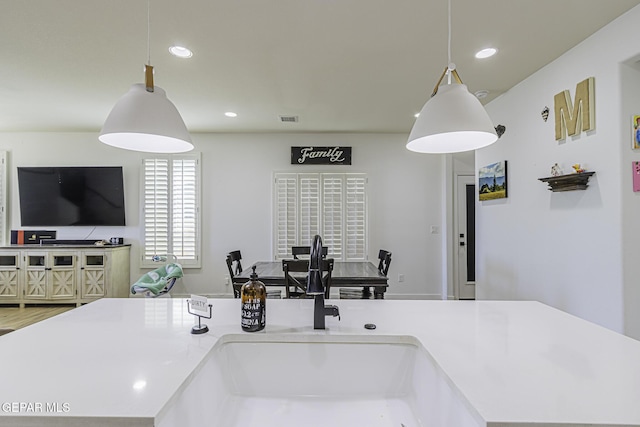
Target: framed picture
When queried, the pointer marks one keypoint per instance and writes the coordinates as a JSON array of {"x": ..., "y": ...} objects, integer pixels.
[
  {"x": 636, "y": 176},
  {"x": 635, "y": 131},
  {"x": 492, "y": 181}
]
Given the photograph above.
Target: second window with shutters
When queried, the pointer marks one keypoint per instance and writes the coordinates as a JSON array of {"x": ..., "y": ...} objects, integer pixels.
[
  {"x": 333, "y": 205},
  {"x": 171, "y": 209}
]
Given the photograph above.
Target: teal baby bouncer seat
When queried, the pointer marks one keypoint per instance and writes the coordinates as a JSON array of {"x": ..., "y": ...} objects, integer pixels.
[{"x": 158, "y": 282}]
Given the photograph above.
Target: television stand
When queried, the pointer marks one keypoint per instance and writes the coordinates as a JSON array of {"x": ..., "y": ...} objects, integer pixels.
[{"x": 63, "y": 274}]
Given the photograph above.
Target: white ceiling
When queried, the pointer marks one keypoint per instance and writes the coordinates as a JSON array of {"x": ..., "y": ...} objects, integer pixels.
[{"x": 339, "y": 65}]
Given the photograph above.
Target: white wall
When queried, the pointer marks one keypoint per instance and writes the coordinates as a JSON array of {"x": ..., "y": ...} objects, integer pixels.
[
  {"x": 564, "y": 249},
  {"x": 405, "y": 198},
  {"x": 630, "y": 88}
]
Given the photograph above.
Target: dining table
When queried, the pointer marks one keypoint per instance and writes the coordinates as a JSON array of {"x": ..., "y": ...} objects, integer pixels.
[{"x": 359, "y": 274}]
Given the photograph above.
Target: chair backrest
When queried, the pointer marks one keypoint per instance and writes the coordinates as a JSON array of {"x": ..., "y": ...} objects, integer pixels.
[
  {"x": 296, "y": 285},
  {"x": 385, "y": 261},
  {"x": 306, "y": 250},
  {"x": 235, "y": 256}
]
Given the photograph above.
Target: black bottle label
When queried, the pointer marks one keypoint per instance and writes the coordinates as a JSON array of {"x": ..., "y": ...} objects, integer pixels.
[{"x": 253, "y": 314}]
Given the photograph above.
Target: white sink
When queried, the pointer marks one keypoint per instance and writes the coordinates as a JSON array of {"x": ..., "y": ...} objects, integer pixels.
[{"x": 316, "y": 380}]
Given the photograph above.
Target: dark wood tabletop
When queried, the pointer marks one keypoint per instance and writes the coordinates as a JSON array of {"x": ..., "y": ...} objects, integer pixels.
[{"x": 345, "y": 273}]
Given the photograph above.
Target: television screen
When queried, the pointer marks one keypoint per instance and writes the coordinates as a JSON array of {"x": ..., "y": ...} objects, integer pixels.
[{"x": 65, "y": 196}]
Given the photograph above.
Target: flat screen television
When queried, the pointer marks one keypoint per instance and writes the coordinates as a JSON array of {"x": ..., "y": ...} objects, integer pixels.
[{"x": 69, "y": 196}]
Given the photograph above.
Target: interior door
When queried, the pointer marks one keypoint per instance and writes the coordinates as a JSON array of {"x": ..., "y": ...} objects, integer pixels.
[{"x": 466, "y": 237}]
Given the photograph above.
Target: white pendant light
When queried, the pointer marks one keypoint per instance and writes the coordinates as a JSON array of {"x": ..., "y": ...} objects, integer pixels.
[
  {"x": 145, "y": 120},
  {"x": 452, "y": 120}
]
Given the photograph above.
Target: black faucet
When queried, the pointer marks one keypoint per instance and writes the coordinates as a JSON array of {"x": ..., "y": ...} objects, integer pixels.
[{"x": 315, "y": 286}]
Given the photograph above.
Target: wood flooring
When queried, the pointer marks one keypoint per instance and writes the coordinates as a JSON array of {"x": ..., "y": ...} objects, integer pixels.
[{"x": 12, "y": 318}]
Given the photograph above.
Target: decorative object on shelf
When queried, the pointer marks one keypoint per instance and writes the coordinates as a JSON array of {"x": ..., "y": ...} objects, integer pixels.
[
  {"x": 199, "y": 305},
  {"x": 144, "y": 119},
  {"x": 500, "y": 129},
  {"x": 582, "y": 112},
  {"x": 556, "y": 170},
  {"x": 453, "y": 119},
  {"x": 636, "y": 176},
  {"x": 570, "y": 182},
  {"x": 635, "y": 127},
  {"x": 492, "y": 181},
  {"x": 545, "y": 113},
  {"x": 578, "y": 168}
]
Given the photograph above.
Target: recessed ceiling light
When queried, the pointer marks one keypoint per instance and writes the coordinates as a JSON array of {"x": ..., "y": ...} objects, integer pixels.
[
  {"x": 485, "y": 53},
  {"x": 180, "y": 52},
  {"x": 231, "y": 114},
  {"x": 416, "y": 115}
]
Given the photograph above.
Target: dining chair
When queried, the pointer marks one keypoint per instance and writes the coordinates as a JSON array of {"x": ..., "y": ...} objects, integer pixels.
[
  {"x": 384, "y": 261},
  {"x": 306, "y": 250},
  {"x": 234, "y": 265},
  {"x": 296, "y": 284}
]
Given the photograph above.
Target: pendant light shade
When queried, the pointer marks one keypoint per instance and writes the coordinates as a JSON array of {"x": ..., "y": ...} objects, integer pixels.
[
  {"x": 453, "y": 120},
  {"x": 146, "y": 121}
]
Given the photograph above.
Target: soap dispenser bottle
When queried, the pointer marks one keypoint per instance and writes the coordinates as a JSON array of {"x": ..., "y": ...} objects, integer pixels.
[{"x": 254, "y": 304}]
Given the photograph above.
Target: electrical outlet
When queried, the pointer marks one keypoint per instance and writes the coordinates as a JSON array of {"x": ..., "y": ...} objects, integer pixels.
[
  {"x": 400, "y": 277},
  {"x": 227, "y": 282},
  {"x": 435, "y": 229}
]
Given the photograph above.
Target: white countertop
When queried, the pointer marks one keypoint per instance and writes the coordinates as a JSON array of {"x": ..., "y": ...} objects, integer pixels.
[{"x": 517, "y": 363}]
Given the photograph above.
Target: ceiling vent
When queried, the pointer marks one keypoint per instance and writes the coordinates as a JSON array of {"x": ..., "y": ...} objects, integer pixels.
[{"x": 288, "y": 119}]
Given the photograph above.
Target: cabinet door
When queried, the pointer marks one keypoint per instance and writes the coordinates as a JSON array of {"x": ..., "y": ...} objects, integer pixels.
[
  {"x": 35, "y": 280},
  {"x": 93, "y": 274},
  {"x": 9, "y": 275},
  {"x": 62, "y": 275}
]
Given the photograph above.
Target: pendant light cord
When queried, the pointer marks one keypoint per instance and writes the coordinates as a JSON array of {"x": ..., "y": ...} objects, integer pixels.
[
  {"x": 449, "y": 39},
  {"x": 148, "y": 69},
  {"x": 450, "y": 65},
  {"x": 148, "y": 32}
]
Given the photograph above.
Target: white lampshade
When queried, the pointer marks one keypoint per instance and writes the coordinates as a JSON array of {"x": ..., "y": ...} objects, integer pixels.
[
  {"x": 453, "y": 120},
  {"x": 146, "y": 121}
]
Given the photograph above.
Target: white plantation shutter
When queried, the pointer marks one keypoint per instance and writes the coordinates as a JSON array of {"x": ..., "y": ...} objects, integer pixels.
[
  {"x": 332, "y": 205},
  {"x": 333, "y": 214},
  {"x": 171, "y": 204},
  {"x": 3, "y": 197},
  {"x": 185, "y": 210},
  {"x": 356, "y": 218},
  {"x": 156, "y": 207},
  {"x": 286, "y": 215},
  {"x": 309, "y": 197}
]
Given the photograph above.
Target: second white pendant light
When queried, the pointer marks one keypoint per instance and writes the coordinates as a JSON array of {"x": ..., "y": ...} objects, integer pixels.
[{"x": 452, "y": 120}]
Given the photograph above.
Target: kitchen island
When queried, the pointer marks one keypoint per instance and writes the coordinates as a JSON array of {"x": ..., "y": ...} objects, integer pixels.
[{"x": 134, "y": 362}]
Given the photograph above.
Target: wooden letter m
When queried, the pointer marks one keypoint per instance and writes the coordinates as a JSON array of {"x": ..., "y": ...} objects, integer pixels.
[{"x": 579, "y": 117}]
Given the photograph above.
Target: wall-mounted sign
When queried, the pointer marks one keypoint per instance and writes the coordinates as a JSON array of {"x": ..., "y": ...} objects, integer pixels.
[
  {"x": 572, "y": 119},
  {"x": 320, "y": 155}
]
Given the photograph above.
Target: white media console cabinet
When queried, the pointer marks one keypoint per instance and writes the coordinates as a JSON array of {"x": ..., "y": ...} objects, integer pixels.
[{"x": 63, "y": 274}]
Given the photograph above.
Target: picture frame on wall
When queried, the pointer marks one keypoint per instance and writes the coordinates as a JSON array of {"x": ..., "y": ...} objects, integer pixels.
[
  {"x": 492, "y": 181},
  {"x": 635, "y": 132},
  {"x": 636, "y": 176}
]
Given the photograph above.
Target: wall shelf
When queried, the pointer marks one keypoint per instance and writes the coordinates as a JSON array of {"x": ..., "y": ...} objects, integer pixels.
[{"x": 571, "y": 182}]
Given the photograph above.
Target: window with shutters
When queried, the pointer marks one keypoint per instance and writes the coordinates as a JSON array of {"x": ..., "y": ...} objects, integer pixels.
[
  {"x": 333, "y": 205},
  {"x": 171, "y": 209}
]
